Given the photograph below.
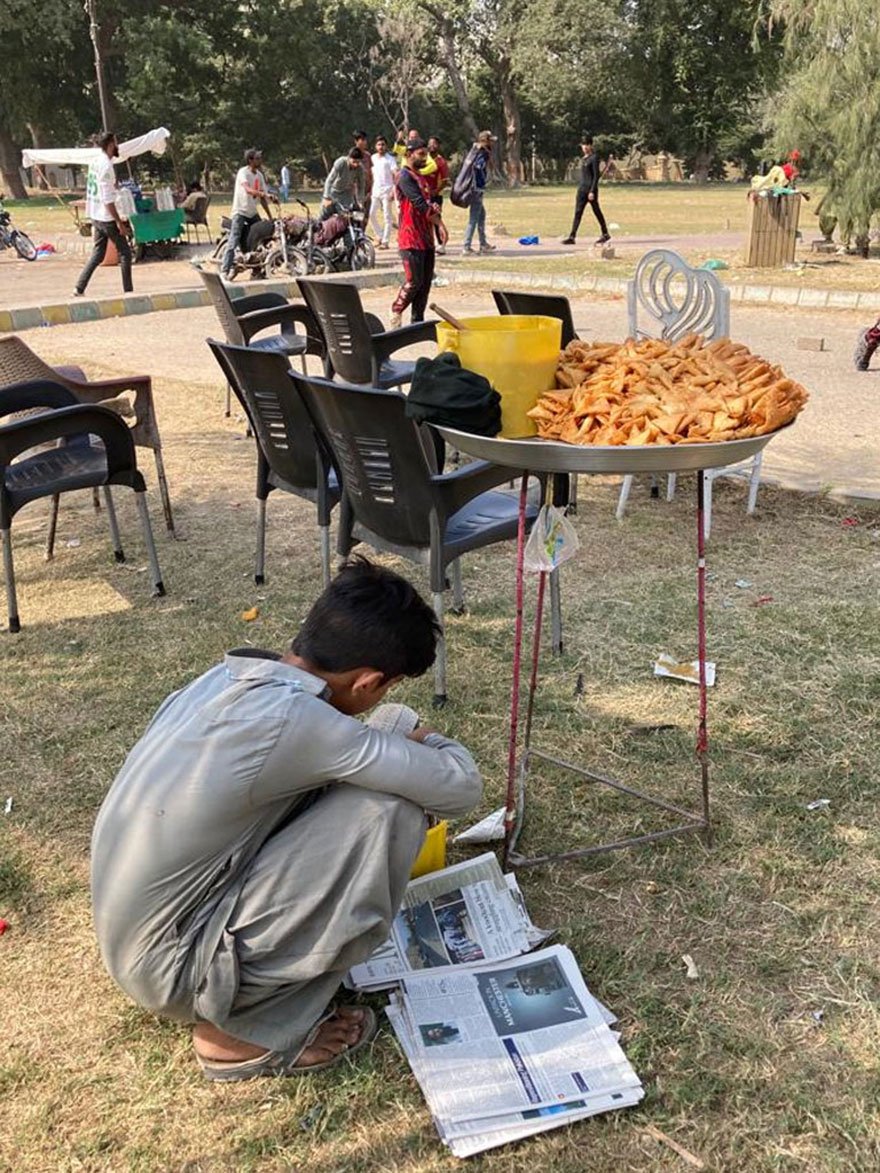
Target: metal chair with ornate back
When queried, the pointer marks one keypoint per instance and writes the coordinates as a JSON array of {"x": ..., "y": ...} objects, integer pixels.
[{"x": 678, "y": 300}]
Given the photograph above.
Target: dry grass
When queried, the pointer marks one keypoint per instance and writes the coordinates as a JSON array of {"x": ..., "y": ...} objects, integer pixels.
[{"x": 780, "y": 915}]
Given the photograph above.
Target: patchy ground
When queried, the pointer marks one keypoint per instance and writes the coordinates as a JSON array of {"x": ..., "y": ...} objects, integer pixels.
[{"x": 769, "y": 1061}]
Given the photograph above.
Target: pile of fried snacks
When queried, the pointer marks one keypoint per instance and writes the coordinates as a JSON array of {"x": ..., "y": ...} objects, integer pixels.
[{"x": 655, "y": 392}]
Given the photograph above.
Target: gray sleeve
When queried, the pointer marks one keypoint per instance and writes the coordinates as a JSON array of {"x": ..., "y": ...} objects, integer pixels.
[
  {"x": 319, "y": 745},
  {"x": 331, "y": 181}
]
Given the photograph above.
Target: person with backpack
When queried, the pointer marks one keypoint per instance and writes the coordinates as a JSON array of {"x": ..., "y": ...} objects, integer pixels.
[{"x": 474, "y": 176}]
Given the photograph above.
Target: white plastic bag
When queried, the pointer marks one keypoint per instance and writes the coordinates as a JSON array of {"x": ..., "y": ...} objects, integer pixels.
[
  {"x": 125, "y": 203},
  {"x": 552, "y": 540}
]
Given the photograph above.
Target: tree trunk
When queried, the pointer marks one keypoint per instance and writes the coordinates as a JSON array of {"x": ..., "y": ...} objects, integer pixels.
[
  {"x": 449, "y": 57},
  {"x": 10, "y": 160},
  {"x": 37, "y": 141},
  {"x": 702, "y": 163},
  {"x": 512, "y": 124}
]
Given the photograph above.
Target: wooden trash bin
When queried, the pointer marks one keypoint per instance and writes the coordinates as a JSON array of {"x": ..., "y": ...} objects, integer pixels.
[{"x": 772, "y": 230}]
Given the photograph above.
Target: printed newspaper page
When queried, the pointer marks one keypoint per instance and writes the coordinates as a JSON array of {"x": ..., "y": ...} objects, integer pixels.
[
  {"x": 523, "y": 1035},
  {"x": 464, "y": 915}
]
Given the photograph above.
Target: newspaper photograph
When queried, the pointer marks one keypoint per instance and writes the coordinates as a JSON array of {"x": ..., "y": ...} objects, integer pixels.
[
  {"x": 464, "y": 915},
  {"x": 523, "y": 1035}
]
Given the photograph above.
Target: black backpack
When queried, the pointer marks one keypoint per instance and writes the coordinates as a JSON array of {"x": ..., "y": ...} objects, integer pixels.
[{"x": 464, "y": 188}]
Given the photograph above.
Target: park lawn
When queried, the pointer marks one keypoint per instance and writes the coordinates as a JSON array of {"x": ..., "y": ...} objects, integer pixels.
[{"x": 769, "y": 1061}]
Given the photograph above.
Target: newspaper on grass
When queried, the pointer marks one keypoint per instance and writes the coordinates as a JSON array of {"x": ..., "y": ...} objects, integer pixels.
[
  {"x": 511, "y": 1049},
  {"x": 464, "y": 915}
]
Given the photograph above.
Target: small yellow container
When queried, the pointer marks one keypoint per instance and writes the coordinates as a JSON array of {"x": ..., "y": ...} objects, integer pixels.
[
  {"x": 432, "y": 857},
  {"x": 517, "y": 353}
]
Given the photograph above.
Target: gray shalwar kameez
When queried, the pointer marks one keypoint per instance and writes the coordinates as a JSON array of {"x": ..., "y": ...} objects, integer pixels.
[{"x": 256, "y": 844}]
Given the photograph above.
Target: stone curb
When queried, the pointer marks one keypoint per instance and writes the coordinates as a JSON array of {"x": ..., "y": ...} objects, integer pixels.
[
  {"x": 792, "y": 295},
  {"x": 87, "y": 310}
]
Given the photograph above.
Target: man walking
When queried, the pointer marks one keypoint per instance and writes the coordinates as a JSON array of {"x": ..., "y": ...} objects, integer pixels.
[
  {"x": 415, "y": 237},
  {"x": 588, "y": 192},
  {"x": 438, "y": 179},
  {"x": 362, "y": 144},
  {"x": 477, "y": 210},
  {"x": 250, "y": 186},
  {"x": 344, "y": 185},
  {"x": 384, "y": 172},
  {"x": 107, "y": 224}
]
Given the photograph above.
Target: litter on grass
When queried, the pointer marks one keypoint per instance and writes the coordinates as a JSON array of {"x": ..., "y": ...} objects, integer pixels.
[
  {"x": 687, "y": 670},
  {"x": 818, "y": 804},
  {"x": 492, "y": 827}
]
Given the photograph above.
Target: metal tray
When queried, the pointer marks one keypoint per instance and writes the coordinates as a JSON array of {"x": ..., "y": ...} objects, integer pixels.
[{"x": 538, "y": 455}]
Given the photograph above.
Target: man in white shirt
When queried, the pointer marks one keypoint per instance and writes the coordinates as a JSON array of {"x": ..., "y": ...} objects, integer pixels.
[
  {"x": 250, "y": 186},
  {"x": 107, "y": 223},
  {"x": 384, "y": 171}
]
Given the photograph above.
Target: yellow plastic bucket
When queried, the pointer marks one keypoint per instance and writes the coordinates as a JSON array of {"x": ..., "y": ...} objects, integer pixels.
[
  {"x": 432, "y": 857},
  {"x": 517, "y": 353}
]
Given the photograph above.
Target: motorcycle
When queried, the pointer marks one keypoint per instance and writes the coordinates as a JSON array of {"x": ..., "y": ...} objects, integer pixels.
[
  {"x": 13, "y": 238},
  {"x": 344, "y": 239},
  {"x": 269, "y": 248},
  {"x": 297, "y": 255}
]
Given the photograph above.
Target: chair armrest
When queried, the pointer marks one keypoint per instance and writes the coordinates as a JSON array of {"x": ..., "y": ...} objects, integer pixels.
[
  {"x": 256, "y": 301},
  {"x": 145, "y": 430},
  {"x": 385, "y": 344},
  {"x": 284, "y": 315},
  {"x": 455, "y": 489},
  {"x": 57, "y": 424},
  {"x": 71, "y": 372},
  {"x": 36, "y": 393}
]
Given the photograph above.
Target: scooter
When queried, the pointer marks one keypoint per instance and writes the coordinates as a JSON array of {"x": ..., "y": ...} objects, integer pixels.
[{"x": 13, "y": 238}]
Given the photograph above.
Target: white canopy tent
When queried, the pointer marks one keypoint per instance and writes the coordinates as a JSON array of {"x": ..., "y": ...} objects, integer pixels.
[{"x": 154, "y": 140}]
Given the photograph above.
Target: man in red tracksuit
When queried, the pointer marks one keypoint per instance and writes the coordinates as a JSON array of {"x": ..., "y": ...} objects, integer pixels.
[{"x": 417, "y": 215}]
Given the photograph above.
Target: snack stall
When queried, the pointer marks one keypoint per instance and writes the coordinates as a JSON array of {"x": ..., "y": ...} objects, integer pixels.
[{"x": 644, "y": 407}]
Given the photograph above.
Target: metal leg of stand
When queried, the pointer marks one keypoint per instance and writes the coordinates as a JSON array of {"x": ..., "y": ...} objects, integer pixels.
[
  {"x": 510, "y": 802},
  {"x": 691, "y": 821}
]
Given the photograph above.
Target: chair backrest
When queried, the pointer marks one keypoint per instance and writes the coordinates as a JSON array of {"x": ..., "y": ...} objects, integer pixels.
[
  {"x": 200, "y": 211},
  {"x": 681, "y": 300},
  {"x": 19, "y": 364},
  {"x": 512, "y": 301},
  {"x": 340, "y": 315},
  {"x": 378, "y": 456},
  {"x": 277, "y": 414},
  {"x": 223, "y": 305}
]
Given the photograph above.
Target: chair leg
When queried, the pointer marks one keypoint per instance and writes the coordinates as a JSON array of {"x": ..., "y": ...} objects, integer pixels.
[
  {"x": 440, "y": 662},
  {"x": 118, "y": 552},
  {"x": 572, "y": 494},
  {"x": 671, "y": 482},
  {"x": 147, "y": 529},
  {"x": 53, "y": 526},
  {"x": 624, "y": 495},
  {"x": 9, "y": 573},
  {"x": 303, "y": 363},
  {"x": 754, "y": 483},
  {"x": 655, "y": 487},
  {"x": 96, "y": 500},
  {"x": 260, "y": 563},
  {"x": 163, "y": 490},
  {"x": 458, "y": 603},
  {"x": 228, "y": 400},
  {"x": 325, "y": 556},
  {"x": 555, "y": 613}
]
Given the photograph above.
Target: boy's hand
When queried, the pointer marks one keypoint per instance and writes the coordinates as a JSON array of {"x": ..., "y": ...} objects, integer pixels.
[{"x": 420, "y": 733}]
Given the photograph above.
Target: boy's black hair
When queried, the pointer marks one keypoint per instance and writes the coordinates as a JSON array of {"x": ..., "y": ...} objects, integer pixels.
[
  {"x": 586, "y": 140},
  {"x": 105, "y": 138},
  {"x": 369, "y": 617},
  {"x": 355, "y": 153}
]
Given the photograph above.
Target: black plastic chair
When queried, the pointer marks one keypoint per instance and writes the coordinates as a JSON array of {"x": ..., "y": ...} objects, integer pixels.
[
  {"x": 74, "y": 461},
  {"x": 197, "y": 218},
  {"x": 512, "y": 301},
  {"x": 287, "y": 453},
  {"x": 392, "y": 499},
  {"x": 246, "y": 317},
  {"x": 355, "y": 351}
]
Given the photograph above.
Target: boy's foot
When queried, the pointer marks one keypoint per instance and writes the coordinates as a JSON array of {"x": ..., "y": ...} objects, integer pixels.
[
  {"x": 485, "y": 247},
  {"x": 603, "y": 239},
  {"x": 79, "y": 293},
  {"x": 345, "y": 1031},
  {"x": 467, "y": 249},
  {"x": 441, "y": 250},
  {"x": 868, "y": 342},
  {"x": 567, "y": 240},
  {"x": 396, "y": 320}
]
